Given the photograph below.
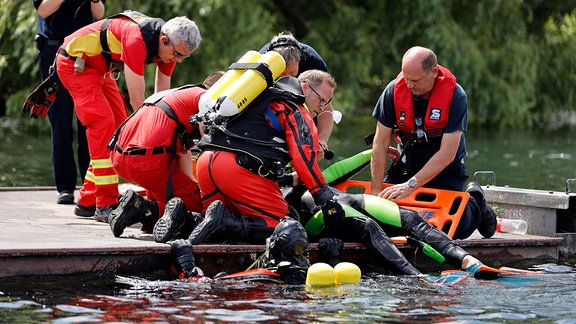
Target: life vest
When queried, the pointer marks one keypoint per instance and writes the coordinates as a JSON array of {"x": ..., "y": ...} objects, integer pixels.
[
  {"x": 437, "y": 112},
  {"x": 150, "y": 28},
  {"x": 250, "y": 133}
]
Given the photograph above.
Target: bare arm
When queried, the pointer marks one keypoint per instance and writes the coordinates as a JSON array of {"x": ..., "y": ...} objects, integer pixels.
[
  {"x": 380, "y": 146},
  {"x": 97, "y": 9},
  {"x": 48, "y": 7},
  {"x": 136, "y": 87},
  {"x": 437, "y": 163},
  {"x": 162, "y": 81},
  {"x": 186, "y": 164},
  {"x": 325, "y": 123},
  {"x": 441, "y": 159}
]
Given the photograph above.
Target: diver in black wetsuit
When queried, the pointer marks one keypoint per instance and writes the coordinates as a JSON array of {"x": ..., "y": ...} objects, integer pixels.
[{"x": 371, "y": 221}]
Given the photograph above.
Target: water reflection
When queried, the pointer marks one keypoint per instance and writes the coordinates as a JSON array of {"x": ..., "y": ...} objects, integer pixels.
[
  {"x": 525, "y": 159},
  {"x": 379, "y": 298}
]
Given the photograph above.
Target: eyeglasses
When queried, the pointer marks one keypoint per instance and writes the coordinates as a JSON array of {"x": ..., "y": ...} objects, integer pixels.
[
  {"x": 178, "y": 55},
  {"x": 323, "y": 102}
]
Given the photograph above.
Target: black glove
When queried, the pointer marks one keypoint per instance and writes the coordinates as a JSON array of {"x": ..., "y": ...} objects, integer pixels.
[
  {"x": 333, "y": 214},
  {"x": 183, "y": 259},
  {"x": 39, "y": 101},
  {"x": 293, "y": 275},
  {"x": 330, "y": 249}
]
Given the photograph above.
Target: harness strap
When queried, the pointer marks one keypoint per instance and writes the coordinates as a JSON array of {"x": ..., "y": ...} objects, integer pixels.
[
  {"x": 261, "y": 68},
  {"x": 104, "y": 42}
]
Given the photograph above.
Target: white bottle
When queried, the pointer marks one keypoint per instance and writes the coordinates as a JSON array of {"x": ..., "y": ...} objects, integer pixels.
[{"x": 512, "y": 226}]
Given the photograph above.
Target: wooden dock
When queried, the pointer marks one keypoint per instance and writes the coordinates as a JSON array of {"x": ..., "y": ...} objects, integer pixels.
[{"x": 41, "y": 238}]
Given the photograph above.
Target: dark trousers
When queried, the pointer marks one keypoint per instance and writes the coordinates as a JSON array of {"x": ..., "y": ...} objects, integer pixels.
[{"x": 61, "y": 116}]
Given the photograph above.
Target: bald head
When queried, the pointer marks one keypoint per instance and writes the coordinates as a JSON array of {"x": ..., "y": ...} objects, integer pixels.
[
  {"x": 420, "y": 68},
  {"x": 422, "y": 56}
]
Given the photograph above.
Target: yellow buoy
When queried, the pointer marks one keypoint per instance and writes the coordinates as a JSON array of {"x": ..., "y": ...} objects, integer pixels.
[
  {"x": 346, "y": 273},
  {"x": 320, "y": 275}
]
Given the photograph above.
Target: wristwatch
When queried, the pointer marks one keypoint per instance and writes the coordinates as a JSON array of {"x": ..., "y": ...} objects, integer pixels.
[{"x": 412, "y": 183}]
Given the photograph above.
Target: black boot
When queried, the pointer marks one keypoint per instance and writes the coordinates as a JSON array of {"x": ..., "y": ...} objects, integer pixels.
[
  {"x": 488, "y": 221},
  {"x": 220, "y": 224},
  {"x": 183, "y": 260},
  {"x": 383, "y": 249},
  {"x": 176, "y": 222},
  {"x": 426, "y": 232},
  {"x": 131, "y": 208},
  {"x": 150, "y": 217},
  {"x": 103, "y": 214}
]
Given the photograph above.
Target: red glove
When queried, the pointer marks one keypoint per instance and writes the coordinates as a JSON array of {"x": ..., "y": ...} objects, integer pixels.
[{"x": 39, "y": 101}]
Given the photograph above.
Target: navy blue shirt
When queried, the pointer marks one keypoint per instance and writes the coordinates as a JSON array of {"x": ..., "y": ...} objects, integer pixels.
[
  {"x": 71, "y": 16},
  {"x": 313, "y": 62}
]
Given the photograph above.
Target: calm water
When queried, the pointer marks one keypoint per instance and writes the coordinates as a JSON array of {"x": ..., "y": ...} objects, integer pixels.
[
  {"x": 525, "y": 159},
  {"x": 538, "y": 160},
  {"x": 545, "y": 298}
]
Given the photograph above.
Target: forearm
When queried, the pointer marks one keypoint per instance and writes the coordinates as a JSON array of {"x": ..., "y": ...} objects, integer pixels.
[
  {"x": 325, "y": 123},
  {"x": 162, "y": 81},
  {"x": 441, "y": 159},
  {"x": 378, "y": 160},
  {"x": 136, "y": 88},
  {"x": 48, "y": 7},
  {"x": 97, "y": 9},
  {"x": 186, "y": 164},
  {"x": 377, "y": 169}
]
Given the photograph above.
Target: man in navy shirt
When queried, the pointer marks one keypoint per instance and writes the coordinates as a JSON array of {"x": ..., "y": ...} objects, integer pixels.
[
  {"x": 56, "y": 20},
  {"x": 426, "y": 112}
]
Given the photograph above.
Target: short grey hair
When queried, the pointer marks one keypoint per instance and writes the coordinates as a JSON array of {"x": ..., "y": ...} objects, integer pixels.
[
  {"x": 183, "y": 30},
  {"x": 316, "y": 77}
]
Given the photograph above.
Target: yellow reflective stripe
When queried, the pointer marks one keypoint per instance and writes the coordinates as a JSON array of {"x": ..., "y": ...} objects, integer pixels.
[
  {"x": 101, "y": 164},
  {"x": 106, "y": 180},
  {"x": 101, "y": 180},
  {"x": 90, "y": 176}
]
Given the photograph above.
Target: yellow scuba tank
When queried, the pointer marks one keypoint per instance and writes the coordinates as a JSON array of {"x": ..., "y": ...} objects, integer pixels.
[
  {"x": 249, "y": 85},
  {"x": 209, "y": 98},
  {"x": 242, "y": 83}
]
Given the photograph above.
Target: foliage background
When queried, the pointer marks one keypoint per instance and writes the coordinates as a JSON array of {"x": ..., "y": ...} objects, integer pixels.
[{"x": 515, "y": 58}]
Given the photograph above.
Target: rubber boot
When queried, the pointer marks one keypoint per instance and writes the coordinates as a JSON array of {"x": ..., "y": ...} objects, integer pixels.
[
  {"x": 428, "y": 233},
  {"x": 150, "y": 216},
  {"x": 183, "y": 260},
  {"x": 382, "y": 247},
  {"x": 488, "y": 221},
  {"x": 131, "y": 208},
  {"x": 220, "y": 224},
  {"x": 176, "y": 222},
  {"x": 192, "y": 220}
]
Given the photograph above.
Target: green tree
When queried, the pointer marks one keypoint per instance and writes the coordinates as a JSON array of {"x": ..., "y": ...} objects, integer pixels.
[{"x": 513, "y": 57}]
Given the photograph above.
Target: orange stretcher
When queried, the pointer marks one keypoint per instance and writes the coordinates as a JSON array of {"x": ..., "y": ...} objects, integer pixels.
[{"x": 441, "y": 208}]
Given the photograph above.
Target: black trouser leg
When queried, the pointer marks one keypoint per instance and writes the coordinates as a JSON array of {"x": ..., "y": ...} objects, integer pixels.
[
  {"x": 426, "y": 232},
  {"x": 381, "y": 246}
]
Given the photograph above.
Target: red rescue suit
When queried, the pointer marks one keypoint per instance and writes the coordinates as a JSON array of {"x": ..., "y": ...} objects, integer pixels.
[
  {"x": 143, "y": 153},
  {"x": 98, "y": 102}
]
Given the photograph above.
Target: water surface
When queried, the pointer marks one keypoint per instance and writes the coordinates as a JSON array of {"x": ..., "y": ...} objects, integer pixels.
[{"x": 545, "y": 298}]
